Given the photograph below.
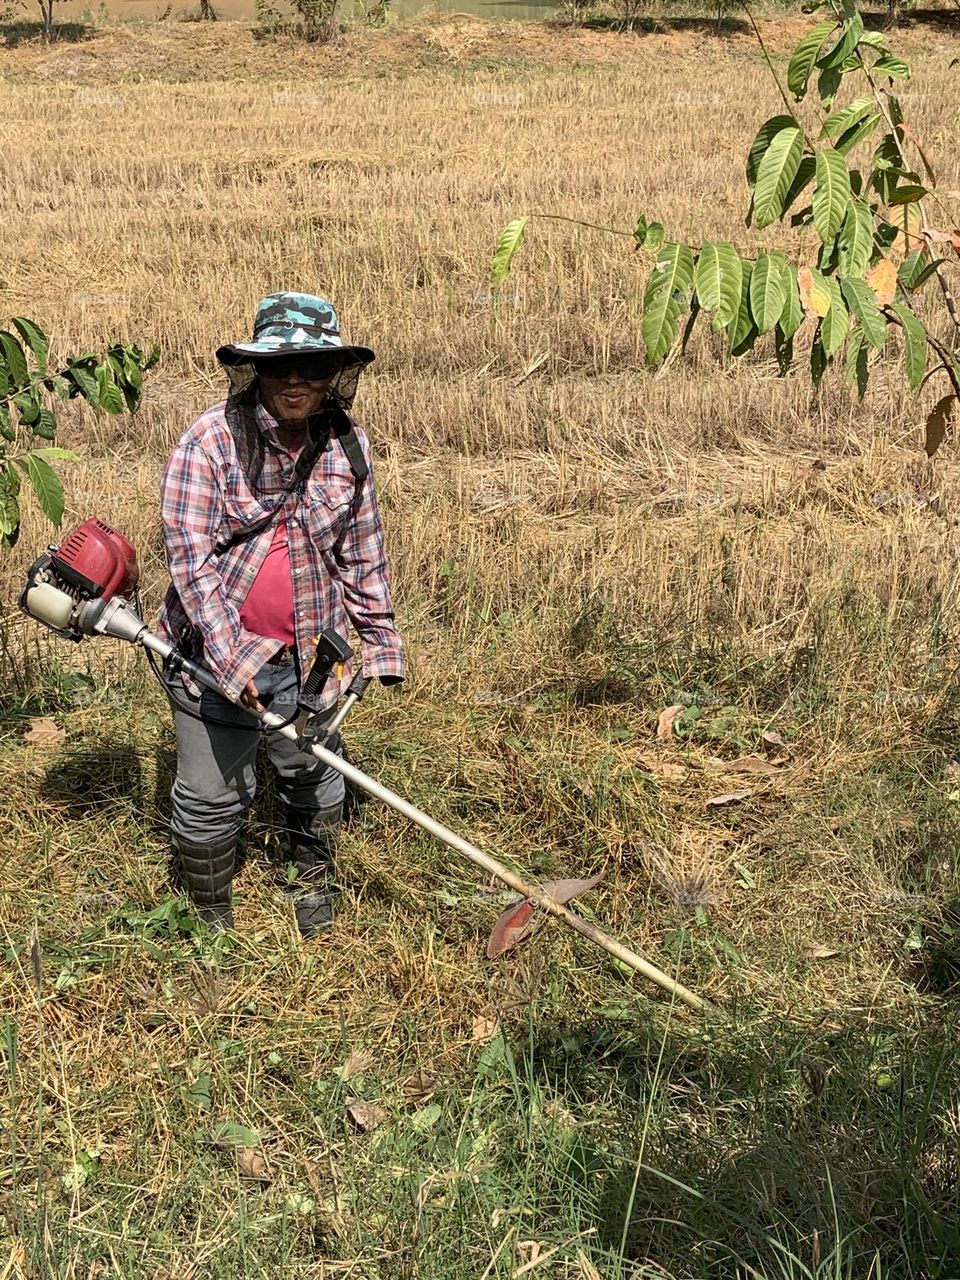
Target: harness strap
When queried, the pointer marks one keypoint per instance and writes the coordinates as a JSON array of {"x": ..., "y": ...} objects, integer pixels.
[{"x": 332, "y": 422}]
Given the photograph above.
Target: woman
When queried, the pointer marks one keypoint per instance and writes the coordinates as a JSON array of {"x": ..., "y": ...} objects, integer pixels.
[{"x": 272, "y": 534}]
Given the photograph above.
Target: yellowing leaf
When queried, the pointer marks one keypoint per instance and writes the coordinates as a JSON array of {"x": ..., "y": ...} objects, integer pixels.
[
  {"x": 814, "y": 293},
  {"x": 882, "y": 279}
]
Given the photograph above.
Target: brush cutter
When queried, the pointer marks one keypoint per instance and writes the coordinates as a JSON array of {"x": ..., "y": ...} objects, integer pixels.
[{"x": 87, "y": 586}]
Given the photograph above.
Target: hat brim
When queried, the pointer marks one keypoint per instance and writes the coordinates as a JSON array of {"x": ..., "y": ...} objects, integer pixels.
[{"x": 241, "y": 353}]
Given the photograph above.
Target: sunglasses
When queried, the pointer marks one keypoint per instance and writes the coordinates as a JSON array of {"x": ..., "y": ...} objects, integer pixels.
[{"x": 311, "y": 369}]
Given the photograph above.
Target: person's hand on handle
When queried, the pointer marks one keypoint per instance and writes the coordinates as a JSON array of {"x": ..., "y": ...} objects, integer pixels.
[{"x": 251, "y": 696}]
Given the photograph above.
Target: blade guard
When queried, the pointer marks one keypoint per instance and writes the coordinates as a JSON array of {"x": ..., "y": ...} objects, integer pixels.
[{"x": 516, "y": 924}]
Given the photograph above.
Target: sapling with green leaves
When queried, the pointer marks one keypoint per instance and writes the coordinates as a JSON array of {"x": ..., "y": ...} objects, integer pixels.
[
  {"x": 28, "y": 388},
  {"x": 854, "y": 178}
]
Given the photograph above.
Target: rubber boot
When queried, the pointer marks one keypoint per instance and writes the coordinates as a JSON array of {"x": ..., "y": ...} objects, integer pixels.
[
  {"x": 207, "y": 870},
  {"x": 313, "y": 847}
]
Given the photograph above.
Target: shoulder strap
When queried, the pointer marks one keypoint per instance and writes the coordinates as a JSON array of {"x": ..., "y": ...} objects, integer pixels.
[{"x": 340, "y": 424}]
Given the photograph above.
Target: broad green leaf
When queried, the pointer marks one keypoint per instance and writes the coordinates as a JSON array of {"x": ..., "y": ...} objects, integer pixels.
[
  {"x": 110, "y": 395},
  {"x": 912, "y": 265},
  {"x": 647, "y": 235},
  {"x": 855, "y": 239},
  {"x": 85, "y": 383},
  {"x": 875, "y": 40},
  {"x": 45, "y": 425},
  {"x": 840, "y": 121},
  {"x": 10, "y": 476},
  {"x": 134, "y": 374},
  {"x": 768, "y": 290},
  {"x": 28, "y": 406},
  {"x": 849, "y": 39},
  {"x": 235, "y": 1135},
  {"x": 47, "y": 487},
  {"x": 743, "y": 331},
  {"x": 862, "y": 302},
  {"x": 15, "y": 360},
  {"x": 893, "y": 67},
  {"x": 54, "y": 451},
  {"x": 831, "y": 196},
  {"x": 35, "y": 339},
  {"x": 915, "y": 344},
  {"x": 791, "y": 317},
  {"x": 511, "y": 238},
  {"x": 801, "y": 179},
  {"x": 857, "y": 368},
  {"x": 775, "y": 174},
  {"x": 9, "y": 506},
  {"x": 6, "y": 426},
  {"x": 717, "y": 281},
  {"x": 667, "y": 287},
  {"x": 804, "y": 56},
  {"x": 908, "y": 194},
  {"x": 917, "y": 268},
  {"x": 765, "y": 135},
  {"x": 834, "y": 325},
  {"x": 847, "y": 141},
  {"x": 828, "y": 82}
]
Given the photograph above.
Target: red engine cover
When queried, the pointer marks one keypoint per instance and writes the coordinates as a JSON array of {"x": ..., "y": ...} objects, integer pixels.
[{"x": 98, "y": 561}]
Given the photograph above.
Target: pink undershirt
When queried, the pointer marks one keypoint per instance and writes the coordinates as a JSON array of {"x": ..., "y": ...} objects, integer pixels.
[{"x": 268, "y": 608}]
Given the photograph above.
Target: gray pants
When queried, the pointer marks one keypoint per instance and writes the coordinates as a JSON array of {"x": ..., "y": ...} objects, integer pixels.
[{"x": 216, "y": 764}]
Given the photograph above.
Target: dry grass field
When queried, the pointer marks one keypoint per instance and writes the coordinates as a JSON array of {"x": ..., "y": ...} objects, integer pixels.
[{"x": 576, "y": 544}]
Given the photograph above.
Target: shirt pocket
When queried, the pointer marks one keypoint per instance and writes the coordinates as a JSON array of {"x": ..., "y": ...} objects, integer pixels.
[{"x": 327, "y": 509}]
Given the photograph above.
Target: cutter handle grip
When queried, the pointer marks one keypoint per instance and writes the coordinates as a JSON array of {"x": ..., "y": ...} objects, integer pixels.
[
  {"x": 359, "y": 685},
  {"x": 331, "y": 650}
]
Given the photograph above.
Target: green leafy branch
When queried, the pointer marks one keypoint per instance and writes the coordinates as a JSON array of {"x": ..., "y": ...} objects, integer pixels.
[
  {"x": 868, "y": 247},
  {"x": 28, "y": 388}
]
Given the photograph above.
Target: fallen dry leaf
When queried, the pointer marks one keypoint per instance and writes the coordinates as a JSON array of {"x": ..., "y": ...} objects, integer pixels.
[
  {"x": 820, "y": 952},
  {"x": 366, "y": 1115},
  {"x": 252, "y": 1164},
  {"x": 729, "y": 797},
  {"x": 937, "y": 422},
  {"x": 44, "y": 733},
  {"x": 665, "y": 720},
  {"x": 669, "y": 770},
  {"x": 418, "y": 1088},
  {"x": 484, "y": 1027},
  {"x": 566, "y": 890},
  {"x": 752, "y": 764},
  {"x": 513, "y": 926},
  {"x": 773, "y": 744}
]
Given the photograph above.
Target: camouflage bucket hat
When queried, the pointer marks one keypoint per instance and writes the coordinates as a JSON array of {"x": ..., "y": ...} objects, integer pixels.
[{"x": 289, "y": 324}]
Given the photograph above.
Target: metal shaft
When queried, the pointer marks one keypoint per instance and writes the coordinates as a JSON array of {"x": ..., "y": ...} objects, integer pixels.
[{"x": 450, "y": 838}]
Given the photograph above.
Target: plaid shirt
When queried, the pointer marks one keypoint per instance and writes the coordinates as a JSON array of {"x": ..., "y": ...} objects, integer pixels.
[{"x": 337, "y": 559}]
